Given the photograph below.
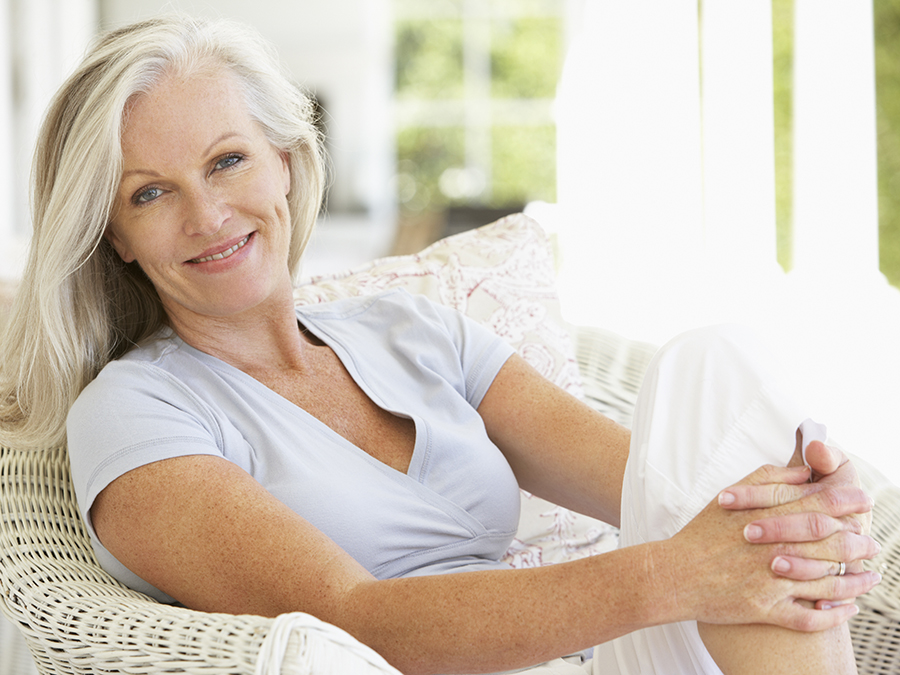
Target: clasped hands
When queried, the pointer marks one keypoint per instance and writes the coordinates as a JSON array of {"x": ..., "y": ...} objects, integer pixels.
[{"x": 771, "y": 546}]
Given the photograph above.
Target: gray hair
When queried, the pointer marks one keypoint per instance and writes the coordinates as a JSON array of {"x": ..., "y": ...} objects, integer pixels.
[{"x": 79, "y": 305}]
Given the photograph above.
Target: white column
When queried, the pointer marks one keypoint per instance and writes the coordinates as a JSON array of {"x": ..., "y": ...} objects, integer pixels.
[
  {"x": 738, "y": 134},
  {"x": 629, "y": 172},
  {"x": 477, "y": 69},
  {"x": 46, "y": 39},
  {"x": 835, "y": 167},
  {"x": 377, "y": 164},
  {"x": 7, "y": 183}
]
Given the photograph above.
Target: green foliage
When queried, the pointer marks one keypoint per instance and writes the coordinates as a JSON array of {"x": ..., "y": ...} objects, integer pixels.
[
  {"x": 526, "y": 57},
  {"x": 525, "y": 54},
  {"x": 423, "y": 154},
  {"x": 783, "y": 59},
  {"x": 887, "y": 84},
  {"x": 524, "y": 160},
  {"x": 429, "y": 59}
]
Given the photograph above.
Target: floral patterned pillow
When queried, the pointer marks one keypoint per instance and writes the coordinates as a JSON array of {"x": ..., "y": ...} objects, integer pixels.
[{"x": 503, "y": 276}]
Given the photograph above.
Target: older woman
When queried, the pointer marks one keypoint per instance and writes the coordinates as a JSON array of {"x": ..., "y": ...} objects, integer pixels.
[{"x": 361, "y": 460}]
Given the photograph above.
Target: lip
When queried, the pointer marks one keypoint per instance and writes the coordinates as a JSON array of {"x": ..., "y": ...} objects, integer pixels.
[{"x": 239, "y": 242}]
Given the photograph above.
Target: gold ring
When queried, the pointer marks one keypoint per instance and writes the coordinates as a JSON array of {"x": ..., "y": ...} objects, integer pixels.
[{"x": 842, "y": 569}]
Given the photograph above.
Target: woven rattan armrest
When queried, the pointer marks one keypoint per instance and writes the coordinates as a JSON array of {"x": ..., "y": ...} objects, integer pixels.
[{"x": 78, "y": 619}]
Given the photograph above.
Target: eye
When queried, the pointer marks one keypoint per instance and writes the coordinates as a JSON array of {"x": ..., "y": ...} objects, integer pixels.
[
  {"x": 228, "y": 161},
  {"x": 146, "y": 195}
]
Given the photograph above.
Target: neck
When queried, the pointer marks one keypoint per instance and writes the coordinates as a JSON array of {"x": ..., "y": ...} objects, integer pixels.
[{"x": 260, "y": 338}]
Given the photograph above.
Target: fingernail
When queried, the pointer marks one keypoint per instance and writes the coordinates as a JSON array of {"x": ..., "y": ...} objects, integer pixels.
[
  {"x": 726, "y": 499},
  {"x": 781, "y": 565},
  {"x": 753, "y": 532},
  {"x": 827, "y": 605}
]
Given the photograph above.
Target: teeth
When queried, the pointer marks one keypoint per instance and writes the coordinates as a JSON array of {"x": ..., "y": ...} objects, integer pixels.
[{"x": 223, "y": 254}]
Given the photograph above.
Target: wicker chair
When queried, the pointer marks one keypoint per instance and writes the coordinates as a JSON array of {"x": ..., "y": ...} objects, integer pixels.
[{"x": 77, "y": 619}]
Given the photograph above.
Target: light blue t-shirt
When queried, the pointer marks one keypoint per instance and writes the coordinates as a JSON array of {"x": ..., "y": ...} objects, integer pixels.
[{"x": 455, "y": 509}]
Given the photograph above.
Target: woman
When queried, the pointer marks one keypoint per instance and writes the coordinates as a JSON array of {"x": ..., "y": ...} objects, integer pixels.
[{"x": 361, "y": 460}]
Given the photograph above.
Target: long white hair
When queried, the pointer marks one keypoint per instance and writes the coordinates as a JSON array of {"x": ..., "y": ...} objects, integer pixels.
[{"x": 79, "y": 306}]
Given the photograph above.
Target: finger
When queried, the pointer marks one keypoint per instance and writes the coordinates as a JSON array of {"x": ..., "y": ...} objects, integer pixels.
[
  {"x": 822, "y": 459},
  {"x": 800, "y": 618},
  {"x": 807, "y": 569},
  {"x": 740, "y": 497},
  {"x": 823, "y": 513},
  {"x": 826, "y": 605},
  {"x": 803, "y": 569},
  {"x": 798, "y": 528},
  {"x": 853, "y": 549},
  {"x": 769, "y": 473},
  {"x": 833, "y": 589}
]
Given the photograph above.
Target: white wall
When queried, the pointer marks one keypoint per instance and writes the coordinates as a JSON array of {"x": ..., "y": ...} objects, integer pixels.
[
  {"x": 40, "y": 42},
  {"x": 342, "y": 51}
]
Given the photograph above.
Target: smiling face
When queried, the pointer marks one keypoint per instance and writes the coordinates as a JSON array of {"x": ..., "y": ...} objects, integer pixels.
[{"x": 202, "y": 203}]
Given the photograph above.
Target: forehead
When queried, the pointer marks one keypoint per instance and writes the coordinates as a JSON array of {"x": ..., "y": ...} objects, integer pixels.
[{"x": 184, "y": 112}]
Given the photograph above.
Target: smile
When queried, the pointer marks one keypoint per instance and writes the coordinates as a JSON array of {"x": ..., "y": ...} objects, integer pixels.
[{"x": 224, "y": 254}]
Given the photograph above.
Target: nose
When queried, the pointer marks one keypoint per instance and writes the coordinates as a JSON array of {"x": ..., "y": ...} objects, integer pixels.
[{"x": 204, "y": 211}]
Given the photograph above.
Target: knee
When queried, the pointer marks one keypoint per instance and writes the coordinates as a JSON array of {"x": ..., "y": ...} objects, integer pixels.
[{"x": 713, "y": 352}]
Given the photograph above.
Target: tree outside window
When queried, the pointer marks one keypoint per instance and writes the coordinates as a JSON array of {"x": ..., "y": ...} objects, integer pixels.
[{"x": 475, "y": 83}]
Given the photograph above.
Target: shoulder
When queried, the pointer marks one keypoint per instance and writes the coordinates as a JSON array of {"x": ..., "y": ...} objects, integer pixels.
[
  {"x": 159, "y": 364},
  {"x": 389, "y": 312},
  {"x": 150, "y": 383},
  {"x": 383, "y": 304}
]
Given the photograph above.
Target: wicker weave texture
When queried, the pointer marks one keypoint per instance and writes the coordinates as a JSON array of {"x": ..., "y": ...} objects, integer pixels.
[
  {"x": 77, "y": 619},
  {"x": 876, "y": 629},
  {"x": 612, "y": 369}
]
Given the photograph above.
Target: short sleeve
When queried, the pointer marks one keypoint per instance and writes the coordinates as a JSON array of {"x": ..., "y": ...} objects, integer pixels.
[
  {"x": 481, "y": 352},
  {"x": 133, "y": 414}
]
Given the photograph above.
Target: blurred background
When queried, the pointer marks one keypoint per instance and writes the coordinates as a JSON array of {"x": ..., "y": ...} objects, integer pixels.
[
  {"x": 694, "y": 161},
  {"x": 664, "y": 146}
]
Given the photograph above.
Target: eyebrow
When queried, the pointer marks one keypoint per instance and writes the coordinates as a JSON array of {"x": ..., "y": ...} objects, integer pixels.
[{"x": 148, "y": 172}]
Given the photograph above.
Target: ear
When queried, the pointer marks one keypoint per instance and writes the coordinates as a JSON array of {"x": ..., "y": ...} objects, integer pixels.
[
  {"x": 118, "y": 244},
  {"x": 286, "y": 169}
]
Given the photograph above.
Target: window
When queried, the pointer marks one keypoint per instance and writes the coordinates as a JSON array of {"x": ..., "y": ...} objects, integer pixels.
[{"x": 474, "y": 87}]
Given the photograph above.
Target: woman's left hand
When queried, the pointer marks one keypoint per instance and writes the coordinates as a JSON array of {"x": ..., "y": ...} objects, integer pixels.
[{"x": 836, "y": 509}]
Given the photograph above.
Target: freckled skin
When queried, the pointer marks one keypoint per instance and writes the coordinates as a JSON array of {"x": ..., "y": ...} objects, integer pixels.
[{"x": 199, "y": 177}]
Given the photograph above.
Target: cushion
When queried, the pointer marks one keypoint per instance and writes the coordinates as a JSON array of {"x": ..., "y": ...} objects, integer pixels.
[{"x": 503, "y": 276}]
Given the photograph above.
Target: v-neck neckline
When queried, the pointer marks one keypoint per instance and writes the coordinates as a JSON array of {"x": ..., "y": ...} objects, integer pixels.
[{"x": 413, "y": 471}]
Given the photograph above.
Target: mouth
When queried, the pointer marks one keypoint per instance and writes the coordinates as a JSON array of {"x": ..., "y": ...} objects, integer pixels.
[{"x": 223, "y": 254}]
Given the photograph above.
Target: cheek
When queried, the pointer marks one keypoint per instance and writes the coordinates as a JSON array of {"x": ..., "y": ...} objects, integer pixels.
[{"x": 119, "y": 243}]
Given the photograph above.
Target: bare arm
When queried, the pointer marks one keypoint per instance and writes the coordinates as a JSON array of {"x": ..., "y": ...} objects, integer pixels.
[
  {"x": 558, "y": 448},
  {"x": 205, "y": 532}
]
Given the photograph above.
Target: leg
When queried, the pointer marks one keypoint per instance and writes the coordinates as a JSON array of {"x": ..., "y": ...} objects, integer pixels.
[
  {"x": 733, "y": 647},
  {"x": 708, "y": 414}
]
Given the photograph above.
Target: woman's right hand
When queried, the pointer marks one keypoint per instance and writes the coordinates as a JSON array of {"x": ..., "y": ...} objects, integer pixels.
[{"x": 715, "y": 575}]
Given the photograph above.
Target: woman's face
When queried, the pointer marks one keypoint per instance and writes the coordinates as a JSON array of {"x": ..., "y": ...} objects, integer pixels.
[{"x": 202, "y": 205}]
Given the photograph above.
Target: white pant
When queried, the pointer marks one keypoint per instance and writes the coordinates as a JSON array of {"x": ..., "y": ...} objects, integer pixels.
[{"x": 709, "y": 412}]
